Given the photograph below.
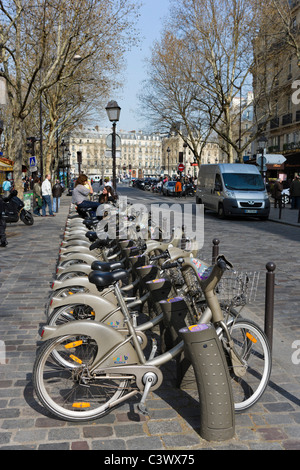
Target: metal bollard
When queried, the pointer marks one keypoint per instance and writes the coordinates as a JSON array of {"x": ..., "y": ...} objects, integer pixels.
[
  {"x": 269, "y": 302},
  {"x": 204, "y": 350},
  {"x": 299, "y": 217},
  {"x": 215, "y": 250},
  {"x": 280, "y": 207}
]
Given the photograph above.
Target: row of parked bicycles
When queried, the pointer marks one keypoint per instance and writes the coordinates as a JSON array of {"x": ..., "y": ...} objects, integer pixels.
[{"x": 116, "y": 313}]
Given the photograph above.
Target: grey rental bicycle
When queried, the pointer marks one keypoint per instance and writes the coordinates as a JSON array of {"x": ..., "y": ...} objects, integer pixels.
[{"x": 85, "y": 368}]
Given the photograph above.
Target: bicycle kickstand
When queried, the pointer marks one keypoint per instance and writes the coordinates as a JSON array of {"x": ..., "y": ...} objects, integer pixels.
[{"x": 149, "y": 380}]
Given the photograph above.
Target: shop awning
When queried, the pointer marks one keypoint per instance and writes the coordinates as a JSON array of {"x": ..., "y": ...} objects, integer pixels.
[
  {"x": 5, "y": 167},
  {"x": 275, "y": 166}
]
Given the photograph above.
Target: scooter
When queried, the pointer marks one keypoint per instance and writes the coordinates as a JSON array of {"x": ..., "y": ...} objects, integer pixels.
[{"x": 14, "y": 210}]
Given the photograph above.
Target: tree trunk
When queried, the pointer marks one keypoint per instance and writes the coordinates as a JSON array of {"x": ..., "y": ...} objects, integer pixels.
[{"x": 18, "y": 157}]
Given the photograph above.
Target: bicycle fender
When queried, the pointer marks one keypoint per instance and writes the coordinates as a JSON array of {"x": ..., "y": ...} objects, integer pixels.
[
  {"x": 103, "y": 309},
  {"x": 83, "y": 257},
  {"x": 65, "y": 252},
  {"x": 82, "y": 268},
  {"x": 112, "y": 351},
  {"x": 77, "y": 281}
]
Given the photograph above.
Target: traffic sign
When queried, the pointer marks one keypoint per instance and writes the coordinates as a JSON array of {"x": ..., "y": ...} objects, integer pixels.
[
  {"x": 108, "y": 153},
  {"x": 261, "y": 161},
  {"x": 181, "y": 167},
  {"x": 32, "y": 161},
  {"x": 109, "y": 141}
]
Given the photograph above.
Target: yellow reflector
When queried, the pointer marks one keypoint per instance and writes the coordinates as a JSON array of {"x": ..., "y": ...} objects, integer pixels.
[
  {"x": 93, "y": 313},
  {"x": 81, "y": 404},
  {"x": 70, "y": 293},
  {"x": 76, "y": 359},
  {"x": 73, "y": 345},
  {"x": 254, "y": 340}
]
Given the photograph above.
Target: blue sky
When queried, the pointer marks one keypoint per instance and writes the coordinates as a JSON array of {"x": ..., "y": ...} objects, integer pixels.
[{"x": 150, "y": 24}]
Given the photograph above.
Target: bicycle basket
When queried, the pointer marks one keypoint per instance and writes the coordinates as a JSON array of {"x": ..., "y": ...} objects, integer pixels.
[{"x": 238, "y": 288}]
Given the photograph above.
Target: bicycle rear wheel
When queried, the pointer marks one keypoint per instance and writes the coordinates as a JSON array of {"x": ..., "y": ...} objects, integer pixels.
[
  {"x": 70, "y": 312},
  {"x": 251, "y": 346},
  {"x": 66, "y": 388}
]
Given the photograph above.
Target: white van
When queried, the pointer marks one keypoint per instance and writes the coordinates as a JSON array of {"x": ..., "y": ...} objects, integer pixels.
[{"x": 233, "y": 189}]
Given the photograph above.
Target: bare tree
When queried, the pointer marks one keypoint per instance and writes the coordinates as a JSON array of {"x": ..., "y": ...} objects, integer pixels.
[
  {"x": 169, "y": 100},
  {"x": 39, "y": 41},
  {"x": 209, "y": 58}
]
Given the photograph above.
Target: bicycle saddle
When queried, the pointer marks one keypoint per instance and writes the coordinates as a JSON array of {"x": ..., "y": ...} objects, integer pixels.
[
  {"x": 92, "y": 236},
  {"x": 104, "y": 279},
  {"x": 106, "y": 267}
]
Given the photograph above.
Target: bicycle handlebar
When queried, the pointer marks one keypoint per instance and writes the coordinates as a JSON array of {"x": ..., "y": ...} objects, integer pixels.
[
  {"x": 170, "y": 265},
  {"x": 160, "y": 256},
  {"x": 223, "y": 263}
]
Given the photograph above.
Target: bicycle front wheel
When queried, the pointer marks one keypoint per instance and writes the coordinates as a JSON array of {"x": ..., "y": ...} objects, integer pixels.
[
  {"x": 66, "y": 388},
  {"x": 252, "y": 348}
]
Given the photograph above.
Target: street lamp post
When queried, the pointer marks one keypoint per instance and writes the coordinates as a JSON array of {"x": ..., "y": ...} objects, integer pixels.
[
  {"x": 113, "y": 112},
  {"x": 168, "y": 150}
]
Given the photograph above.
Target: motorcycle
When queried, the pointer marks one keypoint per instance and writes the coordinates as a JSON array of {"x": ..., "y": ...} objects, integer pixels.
[
  {"x": 14, "y": 210},
  {"x": 190, "y": 190}
]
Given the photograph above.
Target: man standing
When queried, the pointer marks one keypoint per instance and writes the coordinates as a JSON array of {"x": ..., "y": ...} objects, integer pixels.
[
  {"x": 46, "y": 195},
  {"x": 278, "y": 188},
  {"x": 295, "y": 192},
  {"x": 57, "y": 191}
]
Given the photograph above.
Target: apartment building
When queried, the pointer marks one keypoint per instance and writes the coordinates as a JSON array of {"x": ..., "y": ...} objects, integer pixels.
[
  {"x": 138, "y": 153},
  {"x": 175, "y": 151},
  {"x": 282, "y": 69}
]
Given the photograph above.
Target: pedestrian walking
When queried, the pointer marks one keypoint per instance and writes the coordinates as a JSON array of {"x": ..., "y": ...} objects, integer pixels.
[
  {"x": 295, "y": 192},
  {"x": 46, "y": 196},
  {"x": 178, "y": 188},
  {"x": 277, "y": 190},
  {"x": 57, "y": 191},
  {"x": 37, "y": 196}
]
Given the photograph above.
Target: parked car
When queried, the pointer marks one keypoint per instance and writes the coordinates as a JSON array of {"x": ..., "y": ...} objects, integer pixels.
[{"x": 169, "y": 188}]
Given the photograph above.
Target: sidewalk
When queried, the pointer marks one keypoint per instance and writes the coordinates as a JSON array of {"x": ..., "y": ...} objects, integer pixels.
[
  {"x": 27, "y": 269},
  {"x": 288, "y": 216}
]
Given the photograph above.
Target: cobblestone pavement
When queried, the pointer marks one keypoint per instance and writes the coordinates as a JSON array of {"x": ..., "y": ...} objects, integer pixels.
[{"x": 27, "y": 269}]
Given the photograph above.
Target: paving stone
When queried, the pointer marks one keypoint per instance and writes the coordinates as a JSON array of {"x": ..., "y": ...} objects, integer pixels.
[
  {"x": 164, "y": 427},
  {"x": 110, "y": 444},
  {"x": 145, "y": 443},
  {"x": 97, "y": 431},
  {"x": 272, "y": 424}
]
